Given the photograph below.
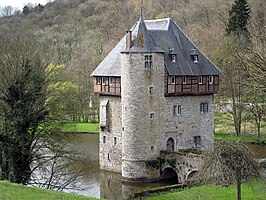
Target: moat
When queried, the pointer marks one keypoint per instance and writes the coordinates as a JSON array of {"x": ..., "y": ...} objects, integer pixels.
[{"x": 104, "y": 184}]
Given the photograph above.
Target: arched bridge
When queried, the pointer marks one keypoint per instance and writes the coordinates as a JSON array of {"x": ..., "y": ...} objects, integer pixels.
[{"x": 179, "y": 165}]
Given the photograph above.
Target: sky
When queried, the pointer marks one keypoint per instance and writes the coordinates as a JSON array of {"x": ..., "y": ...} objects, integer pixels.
[{"x": 20, "y": 3}]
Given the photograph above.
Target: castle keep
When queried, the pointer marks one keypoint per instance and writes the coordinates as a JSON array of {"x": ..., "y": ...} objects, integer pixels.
[{"x": 156, "y": 95}]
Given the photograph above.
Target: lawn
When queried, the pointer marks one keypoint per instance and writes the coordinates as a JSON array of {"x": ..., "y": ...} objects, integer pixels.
[
  {"x": 242, "y": 138},
  {"x": 10, "y": 191},
  {"x": 80, "y": 127},
  {"x": 250, "y": 191}
]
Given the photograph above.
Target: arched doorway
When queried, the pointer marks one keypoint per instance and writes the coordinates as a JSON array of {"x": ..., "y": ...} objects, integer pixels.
[
  {"x": 170, "y": 144},
  {"x": 169, "y": 174}
]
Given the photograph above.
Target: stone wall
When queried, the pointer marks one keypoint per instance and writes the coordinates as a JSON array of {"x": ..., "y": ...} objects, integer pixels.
[
  {"x": 142, "y": 95},
  {"x": 189, "y": 123},
  {"x": 182, "y": 163},
  {"x": 110, "y": 122}
]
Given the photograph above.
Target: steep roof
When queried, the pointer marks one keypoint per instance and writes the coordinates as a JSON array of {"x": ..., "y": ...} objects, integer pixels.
[{"x": 162, "y": 36}]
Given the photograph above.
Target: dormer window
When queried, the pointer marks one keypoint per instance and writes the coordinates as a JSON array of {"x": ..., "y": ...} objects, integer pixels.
[
  {"x": 195, "y": 58},
  {"x": 148, "y": 61},
  {"x": 194, "y": 55},
  {"x": 173, "y": 58},
  {"x": 172, "y": 54}
]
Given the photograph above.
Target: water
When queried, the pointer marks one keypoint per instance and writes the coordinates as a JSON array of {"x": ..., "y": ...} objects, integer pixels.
[
  {"x": 102, "y": 184},
  {"x": 108, "y": 185}
]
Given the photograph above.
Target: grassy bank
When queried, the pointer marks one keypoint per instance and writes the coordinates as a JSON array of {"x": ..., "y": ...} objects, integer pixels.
[
  {"x": 10, "y": 191},
  {"x": 242, "y": 138},
  {"x": 80, "y": 127},
  {"x": 250, "y": 191}
]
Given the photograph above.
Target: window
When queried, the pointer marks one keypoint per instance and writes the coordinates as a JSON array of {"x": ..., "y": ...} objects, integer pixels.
[
  {"x": 173, "y": 80},
  {"x": 152, "y": 115},
  {"x": 184, "y": 80},
  {"x": 115, "y": 140},
  {"x": 200, "y": 80},
  {"x": 103, "y": 80},
  {"x": 152, "y": 147},
  {"x": 173, "y": 58},
  {"x": 197, "y": 141},
  {"x": 210, "y": 79},
  {"x": 204, "y": 108},
  {"x": 148, "y": 61},
  {"x": 195, "y": 58},
  {"x": 151, "y": 88},
  {"x": 104, "y": 139},
  {"x": 98, "y": 80},
  {"x": 177, "y": 110},
  {"x": 110, "y": 81}
]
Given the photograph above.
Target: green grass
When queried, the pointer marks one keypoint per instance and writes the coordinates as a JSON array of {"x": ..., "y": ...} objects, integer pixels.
[
  {"x": 80, "y": 127},
  {"x": 242, "y": 138},
  {"x": 250, "y": 191},
  {"x": 10, "y": 191}
]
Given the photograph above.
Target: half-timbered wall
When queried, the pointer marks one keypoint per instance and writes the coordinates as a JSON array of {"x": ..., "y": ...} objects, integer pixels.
[
  {"x": 191, "y": 85},
  {"x": 107, "y": 85}
]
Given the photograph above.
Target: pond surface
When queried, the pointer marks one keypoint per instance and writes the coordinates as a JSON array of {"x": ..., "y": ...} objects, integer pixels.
[
  {"x": 108, "y": 185},
  {"x": 103, "y": 184}
]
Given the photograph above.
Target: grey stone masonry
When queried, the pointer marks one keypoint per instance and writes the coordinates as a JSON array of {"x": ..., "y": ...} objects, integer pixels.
[
  {"x": 110, "y": 133},
  {"x": 142, "y": 98}
]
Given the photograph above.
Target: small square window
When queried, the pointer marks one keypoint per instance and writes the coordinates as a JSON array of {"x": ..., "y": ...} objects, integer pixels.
[
  {"x": 184, "y": 80},
  {"x": 152, "y": 115},
  {"x": 110, "y": 81},
  {"x": 173, "y": 79},
  {"x": 197, "y": 141},
  {"x": 98, "y": 80},
  {"x": 200, "y": 80},
  {"x": 210, "y": 79},
  {"x": 152, "y": 147},
  {"x": 204, "y": 107}
]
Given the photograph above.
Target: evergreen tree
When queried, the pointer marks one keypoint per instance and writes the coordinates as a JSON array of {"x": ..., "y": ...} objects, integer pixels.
[{"x": 238, "y": 19}]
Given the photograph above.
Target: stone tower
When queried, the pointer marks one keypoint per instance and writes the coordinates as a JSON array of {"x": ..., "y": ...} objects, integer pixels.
[
  {"x": 142, "y": 80},
  {"x": 156, "y": 95}
]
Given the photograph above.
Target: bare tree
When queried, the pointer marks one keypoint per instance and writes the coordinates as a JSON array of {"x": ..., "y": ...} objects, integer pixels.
[
  {"x": 229, "y": 163},
  {"x": 7, "y": 11}
]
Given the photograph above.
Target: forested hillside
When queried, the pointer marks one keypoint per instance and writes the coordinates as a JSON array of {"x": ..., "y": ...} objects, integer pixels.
[{"x": 78, "y": 34}]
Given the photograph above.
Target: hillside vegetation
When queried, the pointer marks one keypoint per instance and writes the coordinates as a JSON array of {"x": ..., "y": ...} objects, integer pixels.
[{"x": 78, "y": 34}]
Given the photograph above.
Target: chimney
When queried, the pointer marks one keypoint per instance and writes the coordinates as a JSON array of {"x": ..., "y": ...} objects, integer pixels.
[{"x": 128, "y": 39}]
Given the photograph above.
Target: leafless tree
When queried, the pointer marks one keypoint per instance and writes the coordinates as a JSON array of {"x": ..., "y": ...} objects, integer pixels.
[
  {"x": 229, "y": 163},
  {"x": 7, "y": 11}
]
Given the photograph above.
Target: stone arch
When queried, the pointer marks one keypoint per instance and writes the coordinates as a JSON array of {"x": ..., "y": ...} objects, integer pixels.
[
  {"x": 169, "y": 173},
  {"x": 170, "y": 144},
  {"x": 191, "y": 174}
]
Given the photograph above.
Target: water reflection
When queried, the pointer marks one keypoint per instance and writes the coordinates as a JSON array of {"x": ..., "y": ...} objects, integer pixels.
[{"x": 108, "y": 185}]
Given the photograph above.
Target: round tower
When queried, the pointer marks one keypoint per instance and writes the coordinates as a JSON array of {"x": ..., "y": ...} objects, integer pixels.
[{"x": 142, "y": 90}]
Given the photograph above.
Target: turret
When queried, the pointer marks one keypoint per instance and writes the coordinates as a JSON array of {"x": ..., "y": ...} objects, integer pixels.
[{"x": 142, "y": 80}]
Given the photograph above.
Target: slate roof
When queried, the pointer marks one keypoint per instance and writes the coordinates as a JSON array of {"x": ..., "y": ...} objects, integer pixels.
[{"x": 161, "y": 36}]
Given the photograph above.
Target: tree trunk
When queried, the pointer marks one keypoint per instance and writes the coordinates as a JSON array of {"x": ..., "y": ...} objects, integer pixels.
[{"x": 238, "y": 188}]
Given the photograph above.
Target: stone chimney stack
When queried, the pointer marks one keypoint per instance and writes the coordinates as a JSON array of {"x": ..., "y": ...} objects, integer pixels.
[{"x": 128, "y": 39}]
